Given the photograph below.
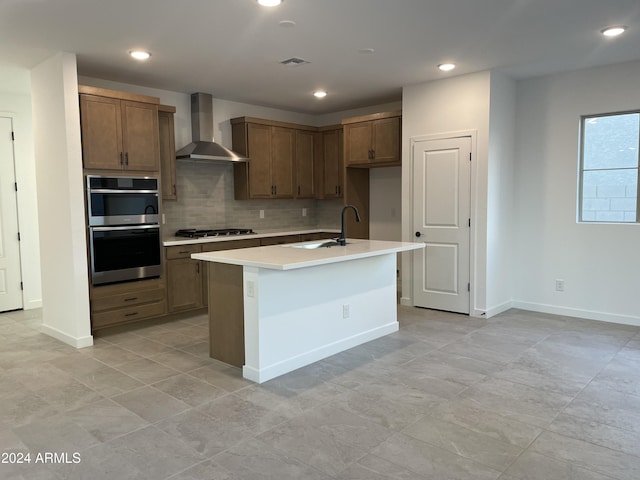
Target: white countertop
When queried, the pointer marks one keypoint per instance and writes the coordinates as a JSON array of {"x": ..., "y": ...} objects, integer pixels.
[
  {"x": 287, "y": 257},
  {"x": 172, "y": 241}
]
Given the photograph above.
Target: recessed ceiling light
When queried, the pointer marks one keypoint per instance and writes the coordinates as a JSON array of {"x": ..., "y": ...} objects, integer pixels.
[
  {"x": 446, "y": 67},
  {"x": 269, "y": 3},
  {"x": 139, "y": 54},
  {"x": 287, "y": 23},
  {"x": 366, "y": 51},
  {"x": 613, "y": 31},
  {"x": 319, "y": 94}
]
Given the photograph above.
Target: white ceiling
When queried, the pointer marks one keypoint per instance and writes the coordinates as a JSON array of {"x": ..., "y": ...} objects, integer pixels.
[{"x": 232, "y": 48}]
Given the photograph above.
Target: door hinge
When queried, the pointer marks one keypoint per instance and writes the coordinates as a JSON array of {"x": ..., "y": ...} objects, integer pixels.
[
  {"x": 469, "y": 222},
  {"x": 15, "y": 185},
  {"x": 468, "y": 287},
  {"x": 13, "y": 136},
  {"x": 21, "y": 286},
  {"x": 18, "y": 236},
  {"x": 469, "y": 156}
]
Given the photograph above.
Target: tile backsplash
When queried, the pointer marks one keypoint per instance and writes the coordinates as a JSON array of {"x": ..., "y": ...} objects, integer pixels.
[{"x": 205, "y": 200}]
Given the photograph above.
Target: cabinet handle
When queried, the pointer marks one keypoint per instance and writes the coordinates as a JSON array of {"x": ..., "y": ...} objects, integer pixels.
[
  {"x": 174, "y": 189},
  {"x": 339, "y": 190},
  {"x": 131, "y": 299},
  {"x": 373, "y": 154},
  {"x": 298, "y": 189},
  {"x": 132, "y": 314},
  {"x": 126, "y": 158},
  {"x": 336, "y": 189}
]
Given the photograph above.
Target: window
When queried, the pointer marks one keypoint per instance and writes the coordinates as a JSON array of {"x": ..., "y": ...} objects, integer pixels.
[{"x": 609, "y": 168}]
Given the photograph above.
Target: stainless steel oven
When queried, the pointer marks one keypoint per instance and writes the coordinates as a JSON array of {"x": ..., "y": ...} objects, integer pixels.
[
  {"x": 124, "y": 230},
  {"x": 124, "y": 253},
  {"x": 122, "y": 200}
]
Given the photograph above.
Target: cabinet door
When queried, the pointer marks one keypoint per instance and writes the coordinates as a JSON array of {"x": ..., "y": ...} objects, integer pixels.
[
  {"x": 140, "y": 136},
  {"x": 386, "y": 140},
  {"x": 101, "y": 132},
  {"x": 333, "y": 165},
  {"x": 184, "y": 286},
  {"x": 358, "y": 141},
  {"x": 304, "y": 171},
  {"x": 259, "y": 150},
  {"x": 282, "y": 141},
  {"x": 167, "y": 155}
]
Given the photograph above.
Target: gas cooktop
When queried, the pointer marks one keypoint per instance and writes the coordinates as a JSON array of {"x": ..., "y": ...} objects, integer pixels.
[{"x": 220, "y": 232}]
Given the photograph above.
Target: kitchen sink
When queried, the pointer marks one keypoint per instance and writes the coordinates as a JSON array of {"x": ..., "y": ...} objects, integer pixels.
[{"x": 311, "y": 246}]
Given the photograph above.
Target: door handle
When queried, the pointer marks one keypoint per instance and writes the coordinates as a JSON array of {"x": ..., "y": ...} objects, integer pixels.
[{"x": 418, "y": 234}]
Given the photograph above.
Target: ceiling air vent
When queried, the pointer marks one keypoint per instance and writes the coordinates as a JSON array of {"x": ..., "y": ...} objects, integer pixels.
[{"x": 293, "y": 62}]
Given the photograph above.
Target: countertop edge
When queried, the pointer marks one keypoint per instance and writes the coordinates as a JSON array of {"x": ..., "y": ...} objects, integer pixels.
[{"x": 222, "y": 257}]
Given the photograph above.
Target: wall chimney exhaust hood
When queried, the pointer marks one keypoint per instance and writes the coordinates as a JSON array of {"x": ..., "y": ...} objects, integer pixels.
[{"x": 203, "y": 147}]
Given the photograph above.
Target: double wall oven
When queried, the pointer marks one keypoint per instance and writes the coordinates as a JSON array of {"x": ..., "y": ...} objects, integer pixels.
[{"x": 124, "y": 228}]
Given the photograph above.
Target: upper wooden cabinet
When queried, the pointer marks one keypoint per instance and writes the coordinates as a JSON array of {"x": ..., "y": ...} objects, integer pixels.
[
  {"x": 118, "y": 131},
  {"x": 281, "y": 159},
  {"x": 372, "y": 140},
  {"x": 305, "y": 164},
  {"x": 333, "y": 166},
  {"x": 167, "y": 151}
]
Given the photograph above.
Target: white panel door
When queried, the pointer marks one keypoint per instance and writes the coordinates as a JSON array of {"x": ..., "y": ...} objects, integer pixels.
[
  {"x": 10, "y": 274},
  {"x": 442, "y": 206}
]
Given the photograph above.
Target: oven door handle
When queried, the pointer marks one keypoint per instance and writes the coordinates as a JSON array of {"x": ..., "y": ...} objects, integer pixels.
[
  {"x": 125, "y": 227},
  {"x": 120, "y": 191}
]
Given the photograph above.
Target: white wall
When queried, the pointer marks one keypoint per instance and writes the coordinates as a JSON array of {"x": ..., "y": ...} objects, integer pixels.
[
  {"x": 500, "y": 194},
  {"x": 58, "y": 154},
  {"x": 442, "y": 108},
  {"x": 599, "y": 263},
  {"x": 15, "y": 102}
]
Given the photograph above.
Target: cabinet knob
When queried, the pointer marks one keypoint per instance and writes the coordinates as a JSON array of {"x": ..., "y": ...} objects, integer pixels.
[
  {"x": 418, "y": 234},
  {"x": 126, "y": 158}
]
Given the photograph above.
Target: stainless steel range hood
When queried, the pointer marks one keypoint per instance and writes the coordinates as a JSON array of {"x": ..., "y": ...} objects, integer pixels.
[{"x": 203, "y": 147}]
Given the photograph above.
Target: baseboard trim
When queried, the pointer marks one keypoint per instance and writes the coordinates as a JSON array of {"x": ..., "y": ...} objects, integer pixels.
[
  {"x": 579, "y": 313},
  {"x": 76, "y": 342},
  {"x": 406, "y": 301},
  {"x": 33, "y": 304},
  {"x": 498, "y": 309}
]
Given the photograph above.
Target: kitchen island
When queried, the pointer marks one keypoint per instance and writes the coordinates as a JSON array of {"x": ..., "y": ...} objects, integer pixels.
[{"x": 277, "y": 308}]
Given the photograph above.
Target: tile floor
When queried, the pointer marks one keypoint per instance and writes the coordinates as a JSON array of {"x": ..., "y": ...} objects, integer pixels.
[{"x": 519, "y": 396}]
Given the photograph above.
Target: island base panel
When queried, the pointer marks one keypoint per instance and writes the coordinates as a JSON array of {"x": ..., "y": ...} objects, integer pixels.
[
  {"x": 226, "y": 314},
  {"x": 297, "y": 317}
]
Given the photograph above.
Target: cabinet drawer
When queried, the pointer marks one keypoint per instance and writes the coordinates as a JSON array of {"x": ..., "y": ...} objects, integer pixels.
[
  {"x": 279, "y": 240},
  {"x": 127, "y": 299},
  {"x": 182, "y": 251},
  {"x": 129, "y": 314},
  {"x": 231, "y": 245}
]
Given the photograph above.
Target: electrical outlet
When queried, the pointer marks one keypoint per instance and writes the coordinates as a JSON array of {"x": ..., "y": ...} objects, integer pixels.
[
  {"x": 261, "y": 213},
  {"x": 559, "y": 285},
  {"x": 251, "y": 289},
  {"x": 345, "y": 311},
  {"x": 304, "y": 212}
]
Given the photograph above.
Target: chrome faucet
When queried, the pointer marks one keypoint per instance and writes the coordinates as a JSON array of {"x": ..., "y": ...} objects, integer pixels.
[{"x": 343, "y": 231}]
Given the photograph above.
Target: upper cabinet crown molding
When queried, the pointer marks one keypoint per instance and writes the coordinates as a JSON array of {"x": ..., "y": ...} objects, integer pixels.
[{"x": 133, "y": 97}]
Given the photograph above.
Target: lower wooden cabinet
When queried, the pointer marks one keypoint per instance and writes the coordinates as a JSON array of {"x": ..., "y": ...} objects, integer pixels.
[{"x": 184, "y": 278}]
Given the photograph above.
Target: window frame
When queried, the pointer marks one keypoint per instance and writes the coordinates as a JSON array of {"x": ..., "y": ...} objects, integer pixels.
[{"x": 583, "y": 122}]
